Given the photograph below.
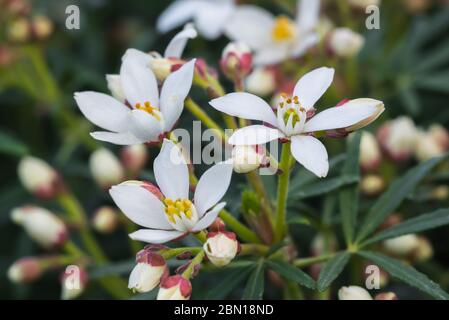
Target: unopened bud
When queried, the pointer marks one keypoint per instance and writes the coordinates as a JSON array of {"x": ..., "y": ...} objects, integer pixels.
[
  {"x": 25, "y": 270},
  {"x": 262, "y": 81},
  {"x": 105, "y": 220},
  {"x": 236, "y": 60},
  {"x": 423, "y": 251},
  {"x": 134, "y": 158},
  {"x": 42, "y": 26},
  {"x": 345, "y": 43},
  {"x": 163, "y": 67},
  {"x": 115, "y": 87},
  {"x": 148, "y": 272},
  {"x": 386, "y": 296},
  {"x": 402, "y": 246},
  {"x": 372, "y": 184},
  {"x": 19, "y": 30},
  {"x": 41, "y": 225},
  {"x": 370, "y": 155},
  {"x": 427, "y": 147},
  {"x": 217, "y": 226},
  {"x": 106, "y": 168},
  {"x": 221, "y": 247},
  {"x": 378, "y": 110},
  {"x": 73, "y": 283},
  {"x": 175, "y": 288},
  {"x": 440, "y": 193},
  {"x": 39, "y": 178},
  {"x": 440, "y": 135},
  {"x": 353, "y": 293},
  {"x": 6, "y": 55},
  {"x": 247, "y": 158}
]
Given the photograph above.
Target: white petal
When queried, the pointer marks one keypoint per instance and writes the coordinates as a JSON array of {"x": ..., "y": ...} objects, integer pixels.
[
  {"x": 171, "y": 172},
  {"x": 138, "y": 80},
  {"x": 155, "y": 236},
  {"x": 176, "y": 46},
  {"x": 123, "y": 138},
  {"x": 209, "y": 217},
  {"x": 145, "y": 126},
  {"x": 178, "y": 13},
  {"x": 251, "y": 25},
  {"x": 311, "y": 153},
  {"x": 103, "y": 110},
  {"x": 212, "y": 16},
  {"x": 245, "y": 105},
  {"x": 344, "y": 116},
  {"x": 174, "y": 91},
  {"x": 140, "y": 205},
  {"x": 304, "y": 43},
  {"x": 271, "y": 54},
  {"x": 256, "y": 134},
  {"x": 307, "y": 14},
  {"x": 313, "y": 85},
  {"x": 212, "y": 186}
]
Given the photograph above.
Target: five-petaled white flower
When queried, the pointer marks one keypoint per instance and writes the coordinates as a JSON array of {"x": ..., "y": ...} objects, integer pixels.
[
  {"x": 293, "y": 118},
  {"x": 275, "y": 39},
  {"x": 172, "y": 215},
  {"x": 209, "y": 16},
  {"x": 146, "y": 115}
]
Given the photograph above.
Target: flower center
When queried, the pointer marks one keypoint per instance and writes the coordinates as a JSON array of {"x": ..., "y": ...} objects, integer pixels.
[
  {"x": 181, "y": 213},
  {"x": 283, "y": 29},
  {"x": 291, "y": 115},
  {"x": 148, "y": 108}
]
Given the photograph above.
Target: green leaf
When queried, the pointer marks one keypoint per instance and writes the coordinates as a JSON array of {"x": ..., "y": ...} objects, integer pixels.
[
  {"x": 288, "y": 271},
  {"x": 423, "y": 222},
  {"x": 434, "y": 82},
  {"x": 406, "y": 274},
  {"x": 332, "y": 269},
  {"x": 410, "y": 99},
  {"x": 324, "y": 186},
  {"x": 349, "y": 195},
  {"x": 117, "y": 268},
  {"x": 255, "y": 285},
  {"x": 394, "y": 196},
  {"x": 11, "y": 146},
  {"x": 227, "y": 284}
]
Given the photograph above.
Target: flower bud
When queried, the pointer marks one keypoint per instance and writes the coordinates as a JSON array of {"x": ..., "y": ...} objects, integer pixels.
[
  {"x": 236, "y": 60},
  {"x": 162, "y": 67},
  {"x": 134, "y": 158},
  {"x": 372, "y": 184},
  {"x": 247, "y": 158},
  {"x": 440, "y": 135},
  {"x": 148, "y": 272},
  {"x": 41, "y": 225},
  {"x": 17, "y": 7},
  {"x": 427, "y": 147},
  {"x": 73, "y": 282},
  {"x": 398, "y": 138},
  {"x": 262, "y": 81},
  {"x": 221, "y": 247},
  {"x": 106, "y": 168},
  {"x": 379, "y": 109},
  {"x": 362, "y": 4},
  {"x": 345, "y": 43},
  {"x": 175, "y": 288},
  {"x": 6, "y": 55},
  {"x": 353, "y": 293},
  {"x": 115, "y": 87},
  {"x": 386, "y": 296},
  {"x": 440, "y": 193},
  {"x": 19, "y": 30},
  {"x": 423, "y": 251},
  {"x": 370, "y": 155},
  {"x": 105, "y": 220},
  {"x": 218, "y": 225},
  {"x": 416, "y": 6},
  {"x": 402, "y": 245},
  {"x": 39, "y": 178},
  {"x": 25, "y": 270},
  {"x": 42, "y": 26}
]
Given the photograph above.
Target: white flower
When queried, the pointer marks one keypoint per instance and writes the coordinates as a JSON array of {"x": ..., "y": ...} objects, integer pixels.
[
  {"x": 353, "y": 293},
  {"x": 275, "y": 39},
  {"x": 209, "y": 16},
  {"x": 261, "y": 81},
  {"x": 175, "y": 215},
  {"x": 221, "y": 248},
  {"x": 346, "y": 43},
  {"x": 106, "y": 168},
  {"x": 398, "y": 138},
  {"x": 147, "y": 115},
  {"x": 370, "y": 154},
  {"x": 291, "y": 120}
]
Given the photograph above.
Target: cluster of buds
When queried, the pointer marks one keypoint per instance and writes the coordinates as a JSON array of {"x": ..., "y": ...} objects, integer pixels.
[
  {"x": 41, "y": 225},
  {"x": 221, "y": 247},
  {"x": 105, "y": 220},
  {"x": 236, "y": 61},
  {"x": 359, "y": 293},
  {"x": 345, "y": 43}
]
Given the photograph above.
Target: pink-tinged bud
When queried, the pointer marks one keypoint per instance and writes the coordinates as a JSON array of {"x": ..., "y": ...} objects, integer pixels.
[
  {"x": 175, "y": 288},
  {"x": 73, "y": 282},
  {"x": 236, "y": 60},
  {"x": 217, "y": 226},
  {"x": 261, "y": 82},
  {"x": 372, "y": 185},
  {"x": 427, "y": 147},
  {"x": 19, "y": 30},
  {"x": 115, "y": 87},
  {"x": 163, "y": 67},
  {"x": 345, "y": 43},
  {"x": 6, "y": 56},
  {"x": 25, "y": 270},
  {"x": 41, "y": 26},
  {"x": 386, "y": 296},
  {"x": 39, "y": 178},
  {"x": 440, "y": 135},
  {"x": 17, "y": 7},
  {"x": 134, "y": 158},
  {"x": 248, "y": 158},
  {"x": 353, "y": 293},
  {"x": 370, "y": 154},
  {"x": 148, "y": 272},
  {"x": 402, "y": 246},
  {"x": 392, "y": 220},
  {"x": 106, "y": 168},
  {"x": 398, "y": 138},
  {"x": 362, "y": 4},
  {"x": 221, "y": 247},
  {"x": 41, "y": 225},
  {"x": 105, "y": 220}
]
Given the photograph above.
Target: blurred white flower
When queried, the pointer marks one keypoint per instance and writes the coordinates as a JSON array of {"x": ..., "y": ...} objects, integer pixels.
[
  {"x": 370, "y": 154},
  {"x": 134, "y": 158},
  {"x": 275, "y": 39},
  {"x": 291, "y": 119},
  {"x": 345, "y": 43},
  {"x": 427, "y": 147},
  {"x": 105, "y": 168},
  {"x": 261, "y": 81},
  {"x": 175, "y": 215},
  {"x": 353, "y": 293},
  {"x": 25, "y": 270},
  {"x": 105, "y": 220},
  {"x": 402, "y": 245}
]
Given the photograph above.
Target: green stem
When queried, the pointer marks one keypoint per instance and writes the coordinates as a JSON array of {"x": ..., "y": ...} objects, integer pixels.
[
  {"x": 257, "y": 249},
  {"x": 201, "y": 236},
  {"x": 173, "y": 252},
  {"x": 187, "y": 274},
  {"x": 282, "y": 192},
  {"x": 196, "y": 110},
  {"x": 305, "y": 262},
  {"x": 240, "y": 229}
]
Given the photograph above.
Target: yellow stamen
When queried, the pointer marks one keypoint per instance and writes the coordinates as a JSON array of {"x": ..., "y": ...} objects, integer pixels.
[
  {"x": 147, "y": 107},
  {"x": 177, "y": 208},
  {"x": 283, "y": 29}
]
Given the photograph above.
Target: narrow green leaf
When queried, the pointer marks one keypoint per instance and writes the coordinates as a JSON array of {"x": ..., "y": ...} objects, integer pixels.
[
  {"x": 111, "y": 269},
  {"x": 410, "y": 99},
  {"x": 324, "y": 186},
  {"x": 255, "y": 285},
  {"x": 291, "y": 273},
  {"x": 394, "y": 196},
  {"x": 423, "y": 222},
  {"x": 331, "y": 270},
  {"x": 406, "y": 274},
  {"x": 11, "y": 146},
  {"x": 434, "y": 82},
  {"x": 227, "y": 284}
]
